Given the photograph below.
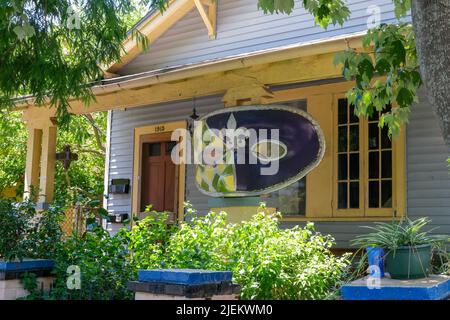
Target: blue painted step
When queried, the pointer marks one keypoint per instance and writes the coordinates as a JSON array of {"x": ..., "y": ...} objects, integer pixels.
[
  {"x": 184, "y": 276},
  {"x": 431, "y": 288},
  {"x": 32, "y": 264}
]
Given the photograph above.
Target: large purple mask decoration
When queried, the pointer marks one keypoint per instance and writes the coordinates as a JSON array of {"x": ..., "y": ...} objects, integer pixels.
[{"x": 248, "y": 151}]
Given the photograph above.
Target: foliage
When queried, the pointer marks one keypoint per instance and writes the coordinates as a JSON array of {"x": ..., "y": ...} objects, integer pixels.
[
  {"x": 40, "y": 41},
  {"x": 148, "y": 239},
  {"x": 268, "y": 262},
  {"x": 324, "y": 11},
  {"x": 406, "y": 232},
  {"x": 441, "y": 259},
  {"x": 53, "y": 48},
  {"x": 103, "y": 264},
  {"x": 13, "y": 146},
  {"x": 24, "y": 233},
  {"x": 389, "y": 52},
  {"x": 84, "y": 134}
]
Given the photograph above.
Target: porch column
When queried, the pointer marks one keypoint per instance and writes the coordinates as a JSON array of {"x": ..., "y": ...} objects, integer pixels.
[
  {"x": 32, "y": 162},
  {"x": 48, "y": 160}
]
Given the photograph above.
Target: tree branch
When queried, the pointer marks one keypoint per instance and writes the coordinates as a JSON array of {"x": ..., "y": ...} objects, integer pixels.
[{"x": 97, "y": 132}]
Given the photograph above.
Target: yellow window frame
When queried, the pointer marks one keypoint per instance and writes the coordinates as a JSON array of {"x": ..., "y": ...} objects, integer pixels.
[
  {"x": 398, "y": 173},
  {"x": 321, "y": 186}
]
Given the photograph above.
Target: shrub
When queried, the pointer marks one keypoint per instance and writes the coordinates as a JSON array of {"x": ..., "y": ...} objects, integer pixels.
[
  {"x": 148, "y": 239},
  {"x": 268, "y": 262},
  {"x": 103, "y": 263},
  {"x": 24, "y": 233}
]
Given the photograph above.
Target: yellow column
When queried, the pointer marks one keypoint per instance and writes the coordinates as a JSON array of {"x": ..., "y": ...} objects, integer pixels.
[
  {"x": 32, "y": 161},
  {"x": 320, "y": 183},
  {"x": 48, "y": 159}
]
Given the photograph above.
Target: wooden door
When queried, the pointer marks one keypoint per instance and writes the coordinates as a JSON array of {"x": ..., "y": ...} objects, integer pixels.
[{"x": 159, "y": 177}]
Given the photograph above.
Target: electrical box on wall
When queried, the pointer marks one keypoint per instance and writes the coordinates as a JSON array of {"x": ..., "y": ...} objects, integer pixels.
[
  {"x": 117, "y": 217},
  {"x": 119, "y": 186}
]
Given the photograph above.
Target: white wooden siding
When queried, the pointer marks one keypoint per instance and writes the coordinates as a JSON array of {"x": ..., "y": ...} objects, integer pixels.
[
  {"x": 242, "y": 28},
  {"x": 428, "y": 177},
  {"x": 121, "y": 149}
]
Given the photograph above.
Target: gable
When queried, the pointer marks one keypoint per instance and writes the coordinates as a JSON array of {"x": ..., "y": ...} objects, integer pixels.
[{"x": 242, "y": 28}]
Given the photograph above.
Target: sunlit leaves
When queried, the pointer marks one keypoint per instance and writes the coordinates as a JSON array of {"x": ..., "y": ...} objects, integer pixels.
[
  {"x": 86, "y": 173},
  {"x": 401, "y": 7},
  {"x": 54, "y": 49},
  {"x": 325, "y": 12},
  {"x": 267, "y": 261},
  {"x": 386, "y": 73}
]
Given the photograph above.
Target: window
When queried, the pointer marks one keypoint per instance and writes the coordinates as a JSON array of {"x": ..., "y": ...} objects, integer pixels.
[
  {"x": 364, "y": 165},
  {"x": 291, "y": 200}
]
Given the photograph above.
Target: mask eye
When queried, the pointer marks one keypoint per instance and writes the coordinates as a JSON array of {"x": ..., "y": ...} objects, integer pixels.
[{"x": 269, "y": 150}]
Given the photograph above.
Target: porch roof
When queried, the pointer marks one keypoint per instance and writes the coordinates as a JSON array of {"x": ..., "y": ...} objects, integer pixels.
[{"x": 110, "y": 91}]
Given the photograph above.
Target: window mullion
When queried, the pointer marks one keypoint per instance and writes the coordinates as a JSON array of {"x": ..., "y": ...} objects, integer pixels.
[{"x": 364, "y": 155}]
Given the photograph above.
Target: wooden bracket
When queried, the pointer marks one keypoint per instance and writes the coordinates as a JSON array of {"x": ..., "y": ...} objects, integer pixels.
[
  {"x": 247, "y": 95},
  {"x": 209, "y": 17}
]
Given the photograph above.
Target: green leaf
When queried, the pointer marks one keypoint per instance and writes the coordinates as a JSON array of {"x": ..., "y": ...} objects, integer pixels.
[
  {"x": 365, "y": 68},
  {"x": 383, "y": 66},
  {"x": 404, "y": 97}
]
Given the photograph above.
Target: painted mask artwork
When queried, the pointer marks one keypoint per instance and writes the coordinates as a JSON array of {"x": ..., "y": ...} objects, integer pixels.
[{"x": 254, "y": 150}]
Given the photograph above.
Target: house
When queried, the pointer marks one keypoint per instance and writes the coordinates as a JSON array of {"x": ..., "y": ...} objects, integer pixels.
[{"x": 207, "y": 55}]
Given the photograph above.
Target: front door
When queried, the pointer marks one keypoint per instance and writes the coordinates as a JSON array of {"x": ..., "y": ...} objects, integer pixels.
[{"x": 159, "y": 177}]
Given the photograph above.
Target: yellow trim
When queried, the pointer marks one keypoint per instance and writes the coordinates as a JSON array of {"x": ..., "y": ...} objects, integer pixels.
[
  {"x": 321, "y": 204},
  {"x": 48, "y": 163},
  {"x": 158, "y": 23},
  {"x": 398, "y": 175},
  {"x": 321, "y": 178},
  {"x": 331, "y": 219},
  {"x": 152, "y": 28},
  {"x": 155, "y": 129},
  {"x": 32, "y": 168},
  {"x": 209, "y": 18},
  {"x": 292, "y": 64}
]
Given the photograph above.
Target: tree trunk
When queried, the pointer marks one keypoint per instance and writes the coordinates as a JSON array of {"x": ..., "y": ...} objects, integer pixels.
[{"x": 431, "y": 23}]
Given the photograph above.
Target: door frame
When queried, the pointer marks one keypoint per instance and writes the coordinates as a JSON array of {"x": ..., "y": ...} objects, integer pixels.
[{"x": 154, "y": 133}]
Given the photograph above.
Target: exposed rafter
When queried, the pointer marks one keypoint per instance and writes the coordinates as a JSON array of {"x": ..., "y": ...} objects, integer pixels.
[
  {"x": 208, "y": 14},
  {"x": 152, "y": 28}
]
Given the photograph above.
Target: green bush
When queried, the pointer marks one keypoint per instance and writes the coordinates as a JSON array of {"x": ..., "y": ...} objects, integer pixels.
[
  {"x": 103, "y": 262},
  {"x": 24, "y": 233},
  {"x": 268, "y": 262}
]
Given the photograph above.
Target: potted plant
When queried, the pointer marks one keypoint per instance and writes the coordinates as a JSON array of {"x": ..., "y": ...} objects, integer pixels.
[{"x": 408, "y": 247}]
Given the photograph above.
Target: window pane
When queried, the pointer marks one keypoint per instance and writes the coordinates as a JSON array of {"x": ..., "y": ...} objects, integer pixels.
[
  {"x": 373, "y": 136},
  {"x": 342, "y": 167},
  {"x": 386, "y": 194},
  {"x": 354, "y": 194},
  {"x": 386, "y": 164},
  {"x": 373, "y": 165},
  {"x": 354, "y": 138},
  {"x": 342, "y": 111},
  {"x": 386, "y": 143},
  {"x": 354, "y": 166},
  {"x": 342, "y": 143},
  {"x": 290, "y": 200},
  {"x": 342, "y": 195},
  {"x": 375, "y": 116},
  {"x": 353, "y": 117},
  {"x": 169, "y": 146},
  {"x": 373, "y": 194},
  {"x": 154, "y": 149}
]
